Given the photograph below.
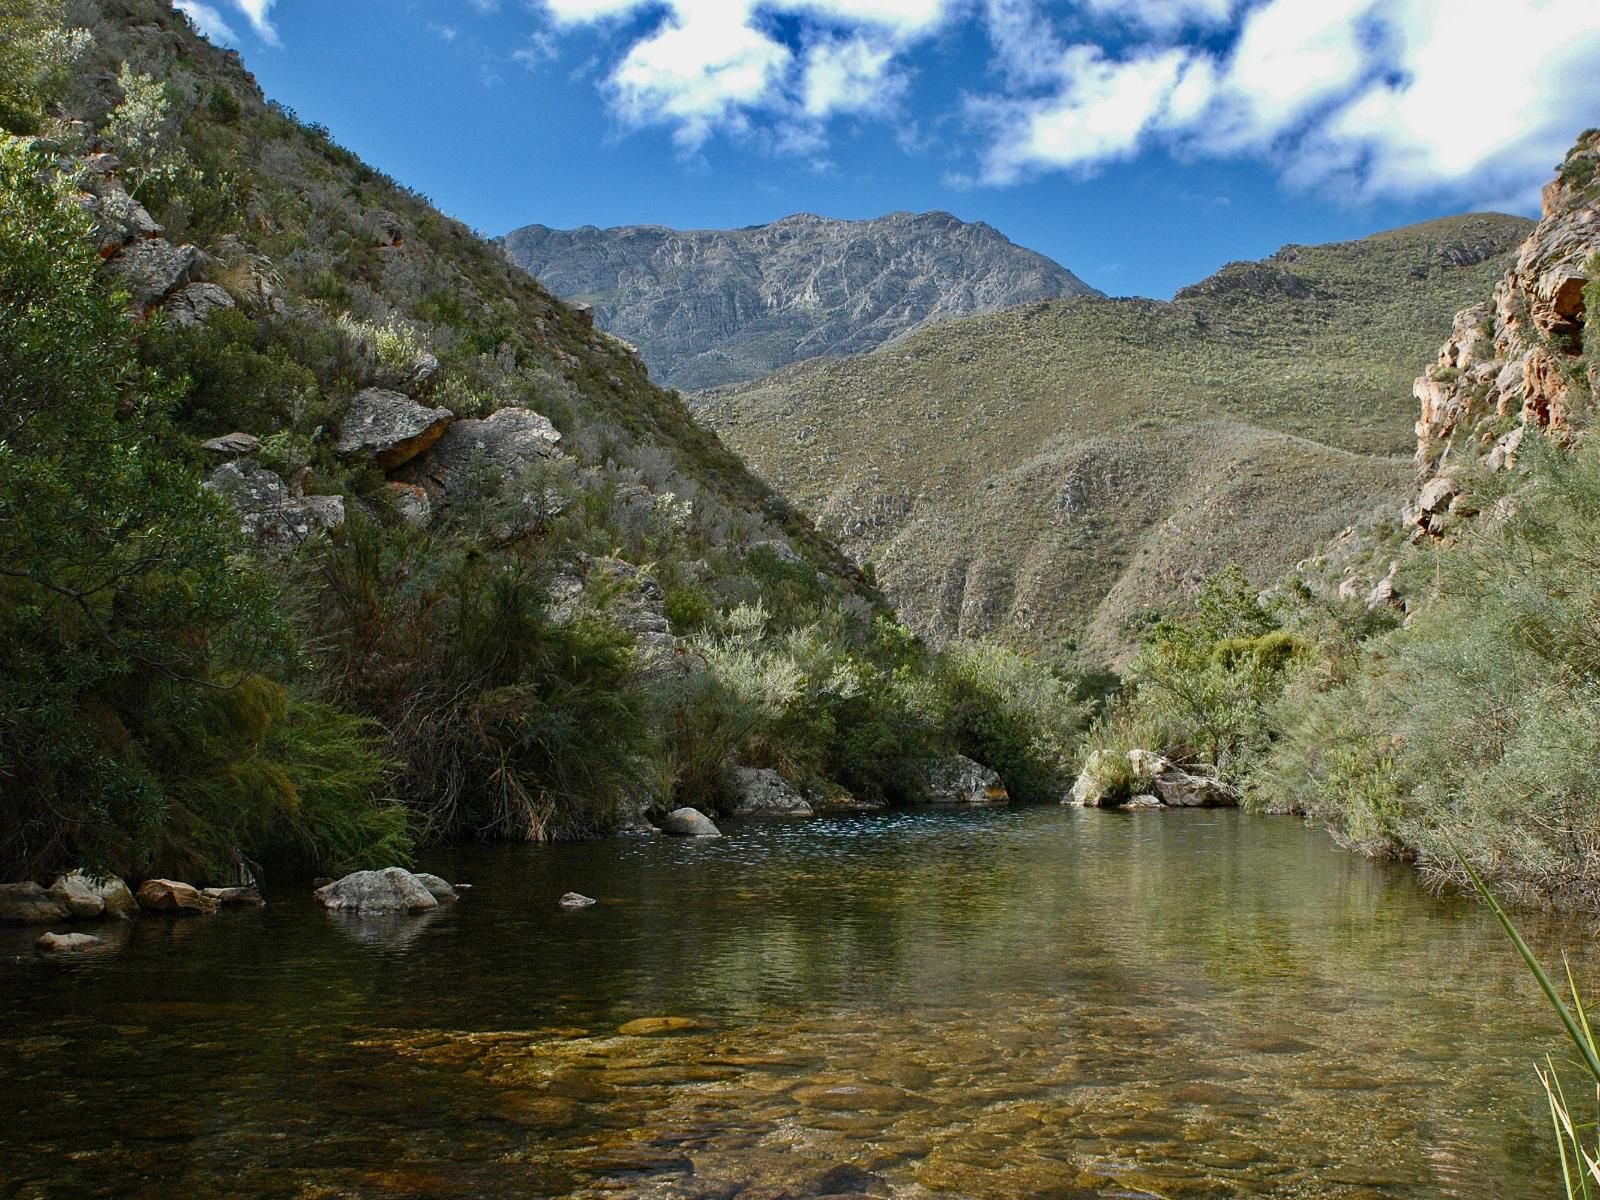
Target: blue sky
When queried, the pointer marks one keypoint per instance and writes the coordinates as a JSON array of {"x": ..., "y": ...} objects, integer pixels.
[{"x": 1140, "y": 143}]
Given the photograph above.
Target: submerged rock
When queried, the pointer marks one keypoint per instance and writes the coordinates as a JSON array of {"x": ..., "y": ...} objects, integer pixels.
[
  {"x": 170, "y": 896},
  {"x": 235, "y": 896},
  {"x": 52, "y": 944},
  {"x": 438, "y": 888},
  {"x": 576, "y": 900},
  {"x": 29, "y": 904},
  {"x": 656, "y": 1026},
  {"x": 762, "y": 792},
  {"x": 392, "y": 890},
  {"x": 689, "y": 822},
  {"x": 960, "y": 780}
]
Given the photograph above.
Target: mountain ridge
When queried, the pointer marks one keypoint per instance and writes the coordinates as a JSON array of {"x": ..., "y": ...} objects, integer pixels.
[{"x": 713, "y": 306}]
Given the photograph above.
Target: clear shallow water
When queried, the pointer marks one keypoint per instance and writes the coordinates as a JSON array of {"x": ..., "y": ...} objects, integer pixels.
[{"x": 1037, "y": 1003}]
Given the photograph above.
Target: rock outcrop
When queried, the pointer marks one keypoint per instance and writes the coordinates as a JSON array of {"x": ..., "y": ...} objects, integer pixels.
[
  {"x": 1150, "y": 781},
  {"x": 90, "y": 897},
  {"x": 709, "y": 307},
  {"x": 389, "y": 428},
  {"x": 762, "y": 792},
  {"x": 960, "y": 780},
  {"x": 268, "y": 511},
  {"x": 472, "y": 453},
  {"x": 1515, "y": 363},
  {"x": 392, "y": 890}
]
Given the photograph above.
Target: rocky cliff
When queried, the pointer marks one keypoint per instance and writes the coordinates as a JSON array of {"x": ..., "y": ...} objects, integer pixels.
[
  {"x": 1057, "y": 469},
  {"x": 709, "y": 307},
  {"x": 1524, "y": 361}
]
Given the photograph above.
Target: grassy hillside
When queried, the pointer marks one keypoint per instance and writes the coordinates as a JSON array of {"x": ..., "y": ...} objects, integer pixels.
[{"x": 1053, "y": 470}]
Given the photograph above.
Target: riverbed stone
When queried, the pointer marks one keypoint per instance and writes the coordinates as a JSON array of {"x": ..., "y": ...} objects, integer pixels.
[
  {"x": 960, "y": 780},
  {"x": 235, "y": 896},
  {"x": 689, "y": 822},
  {"x": 576, "y": 900},
  {"x": 29, "y": 904},
  {"x": 657, "y": 1026},
  {"x": 52, "y": 944},
  {"x": 392, "y": 890},
  {"x": 89, "y": 897},
  {"x": 438, "y": 888},
  {"x": 171, "y": 896},
  {"x": 851, "y": 1097},
  {"x": 762, "y": 792}
]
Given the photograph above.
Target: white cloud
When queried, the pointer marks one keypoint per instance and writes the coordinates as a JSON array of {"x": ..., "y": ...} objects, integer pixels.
[
  {"x": 1164, "y": 16},
  {"x": 208, "y": 21},
  {"x": 708, "y": 66},
  {"x": 258, "y": 12},
  {"x": 1475, "y": 99}
]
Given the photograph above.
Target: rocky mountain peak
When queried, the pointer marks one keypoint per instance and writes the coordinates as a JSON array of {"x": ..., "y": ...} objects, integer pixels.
[{"x": 707, "y": 307}]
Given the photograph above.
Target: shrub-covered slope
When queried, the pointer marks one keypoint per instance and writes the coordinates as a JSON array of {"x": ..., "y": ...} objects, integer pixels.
[
  {"x": 1055, "y": 469},
  {"x": 324, "y": 528}
]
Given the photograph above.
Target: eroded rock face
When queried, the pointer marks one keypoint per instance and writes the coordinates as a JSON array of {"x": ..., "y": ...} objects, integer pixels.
[
  {"x": 152, "y": 269},
  {"x": 389, "y": 428},
  {"x": 960, "y": 780},
  {"x": 268, "y": 511},
  {"x": 392, "y": 890},
  {"x": 1515, "y": 357},
  {"x": 179, "y": 899},
  {"x": 762, "y": 792},
  {"x": 632, "y": 598},
  {"x": 29, "y": 904},
  {"x": 689, "y": 822}
]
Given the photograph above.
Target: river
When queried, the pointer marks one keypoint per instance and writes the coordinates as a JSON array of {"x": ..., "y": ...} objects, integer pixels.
[{"x": 1040, "y": 1002}]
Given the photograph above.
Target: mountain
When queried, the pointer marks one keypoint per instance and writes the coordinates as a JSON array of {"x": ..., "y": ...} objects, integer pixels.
[
  {"x": 708, "y": 307},
  {"x": 1055, "y": 470}
]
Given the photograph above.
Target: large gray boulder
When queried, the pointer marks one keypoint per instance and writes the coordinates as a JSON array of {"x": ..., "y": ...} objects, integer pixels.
[
  {"x": 153, "y": 269},
  {"x": 392, "y": 890},
  {"x": 89, "y": 897},
  {"x": 689, "y": 822},
  {"x": 762, "y": 792},
  {"x": 268, "y": 511},
  {"x": 389, "y": 428},
  {"x": 960, "y": 780},
  {"x": 29, "y": 904},
  {"x": 473, "y": 453}
]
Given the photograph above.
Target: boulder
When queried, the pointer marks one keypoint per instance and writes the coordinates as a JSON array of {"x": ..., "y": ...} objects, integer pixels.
[
  {"x": 389, "y": 428},
  {"x": 228, "y": 896},
  {"x": 52, "y": 944},
  {"x": 689, "y": 822},
  {"x": 268, "y": 511},
  {"x": 411, "y": 502},
  {"x": 152, "y": 269},
  {"x": 960, "y": 780},
  {"x": 232, "y": 445},
  {"x": 170, "y": 896},
  {"x": 762, "y": 792},
  {"x": 1153, "y": 781},
  {"x": 1177, "y": 788},
  {"x": 439, "y": 889},
  {"x": 500, "y": 446},
  {"x": 1437, "y": 493},
  {"x": 392, "y": 890},
  {"x": 193, "y": 304},
  {"x": 89, "y": 897},
  {"x": 29, "y": 904},
  {"x": 576, "y": 900}
]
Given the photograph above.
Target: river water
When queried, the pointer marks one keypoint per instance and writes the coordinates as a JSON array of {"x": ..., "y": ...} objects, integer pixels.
[{"x": 1031, "y": 1003}]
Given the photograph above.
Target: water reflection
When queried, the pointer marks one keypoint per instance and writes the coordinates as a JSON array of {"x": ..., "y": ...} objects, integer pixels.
[{"x": 1040, "y": 1002}]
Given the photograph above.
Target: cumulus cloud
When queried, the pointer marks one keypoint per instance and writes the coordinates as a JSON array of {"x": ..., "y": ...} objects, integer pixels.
[
  {"x": 1378, "y": 97},
  {"x": 709, "y": 66}
]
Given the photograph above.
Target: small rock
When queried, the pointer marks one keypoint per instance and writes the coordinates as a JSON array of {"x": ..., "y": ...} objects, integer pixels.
[
  {"x": 960, "y": 780},
  {"x": 391, "y": 890},
  {"x": 29, "y": 904},
  {"x": 232, "y": 445},
  {"x": 67, "y": 943},
  {"x": 762, "y": 792},
  {"x": 576, "y": 900},
  {"x": 170, "y": 896},
  {"x": 848, "y": 1097},
  {"x": 656, "y": 1026},
  {"x": 193, "y": 304},
  {"x": 411, "y": 502},
  {"x": 234, "y": 895},
  {"x": 689, "y": 822}
]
